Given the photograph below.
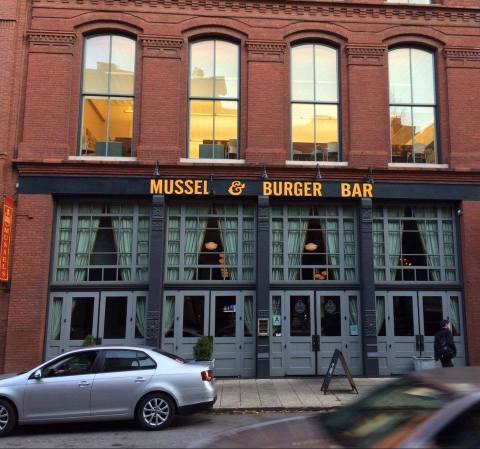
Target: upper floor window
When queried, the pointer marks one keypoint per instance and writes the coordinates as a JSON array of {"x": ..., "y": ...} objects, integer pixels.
[
  {"x": 214, "y": 97},
  {"x": 108, "y": 96},
  {"x": 412, "y": 105},
  {"x": 416, "y": 2},
  {"x": 315, "y": 103}
]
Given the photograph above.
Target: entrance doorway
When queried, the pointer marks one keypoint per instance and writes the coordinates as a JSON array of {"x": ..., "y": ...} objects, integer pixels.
[
  {"x": 308, "y": 326},
  {"x": 228, "y": 318},
  {"x": 112, "y": 318},
  {"x": 407, "y": 323}
]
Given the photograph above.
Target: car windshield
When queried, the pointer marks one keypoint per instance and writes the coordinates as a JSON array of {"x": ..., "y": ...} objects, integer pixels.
[
  {"x": 170, "y": 355},
  {"x": 385, "y": 417}
]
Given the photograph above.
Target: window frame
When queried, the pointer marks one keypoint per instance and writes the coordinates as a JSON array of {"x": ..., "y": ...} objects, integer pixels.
[
  {"x": 341, "y": 267},
  {"x": 439, "y": 219},
  {"x": 338, "y": 103},
  {"x": 214, "y": 99},
  {"x": 93, "y": 369},
  {"x": 436, "y": 105},
  {"x": 136, "y": 215},
  {"x": 103, "y": 357},
  {"x": 107, "y": 96}
]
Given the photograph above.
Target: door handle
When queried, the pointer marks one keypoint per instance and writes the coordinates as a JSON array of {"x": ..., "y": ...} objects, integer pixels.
[
  {"x": 139, "y": 380},
  {"x": 240, "y": 347},
  {"x": 83, "y": 383}
]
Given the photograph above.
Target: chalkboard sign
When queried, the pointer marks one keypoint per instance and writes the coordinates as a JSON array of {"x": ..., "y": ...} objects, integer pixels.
[{"x": 331, "y": 369}]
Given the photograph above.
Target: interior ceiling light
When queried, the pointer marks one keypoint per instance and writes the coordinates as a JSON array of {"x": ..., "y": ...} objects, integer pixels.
[
  {"x": 211, "y": 246},
  {"x": 311, "y": 246}
]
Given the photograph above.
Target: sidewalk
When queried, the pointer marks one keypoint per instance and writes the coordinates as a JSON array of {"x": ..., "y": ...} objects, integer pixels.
[{"x": 288, "y": 393}]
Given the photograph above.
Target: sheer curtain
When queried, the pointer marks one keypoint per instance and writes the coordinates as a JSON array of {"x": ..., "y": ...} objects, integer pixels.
[
  {"x": 169, "y": 317},
  {"x": 297, "y": 231},
  {"x": 429, "y": 234},
  {"x": 277, "y": 249},
  {"x": 229, "y": 234},
  {"x": 64, "y": 238},
  {"x": 395, "y": 231},
  {"x": 353, "y": 313},
  {"x": 86, "y": 234},
  {"x": 140, "y": 317},
  {"x": 248, "y": 318},
  {"x": 194, "y": 233},
  {"x": 330, "y": 235},
  {"x": 123, "y": 233},
  {"x": 380, "y": 315},
  {"x": 378, "y": 250},
  {"x": 56, "y": 319},
  {"x": 455, "y": 315}
]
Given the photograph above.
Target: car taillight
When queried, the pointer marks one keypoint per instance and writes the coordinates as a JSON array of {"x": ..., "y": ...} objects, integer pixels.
[{"x": 207, "y": 375}]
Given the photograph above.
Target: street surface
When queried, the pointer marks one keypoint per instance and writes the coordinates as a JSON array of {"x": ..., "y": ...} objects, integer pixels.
[{"x": 184, "y": 431}]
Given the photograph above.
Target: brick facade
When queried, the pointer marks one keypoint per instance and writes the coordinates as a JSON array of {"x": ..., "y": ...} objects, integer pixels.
[{"x": 41, "y": 52}]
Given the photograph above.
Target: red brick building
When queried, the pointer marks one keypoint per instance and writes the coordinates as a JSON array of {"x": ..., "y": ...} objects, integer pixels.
[{"x": 285, "y": 177}]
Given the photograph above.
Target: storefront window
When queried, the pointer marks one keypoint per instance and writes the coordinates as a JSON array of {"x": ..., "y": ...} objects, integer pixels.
[
  {"x": 213, "y": 100},
  {"x": 211, "y": 243},
  {"x": 108, "y": 96},
  {"x": 314, "y": 102},
  {"x": 414, "y": 244},
  {"x": 412, "y": 105},
  {"x": 102, "y": 242},
  {"x": 313, "y": 244}
]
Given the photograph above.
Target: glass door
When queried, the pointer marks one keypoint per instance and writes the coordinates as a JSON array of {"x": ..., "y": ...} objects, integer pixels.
[
  {"x": 278, "y": 344},
  {"x": 248, "y": 346},
  {"x": 431, "y": 310},
  {"x": 57, "y": 330},
  {"x": 138, "y": 320},
  {"x": 403, "y": 331},
  {"x": 115, "y": 317},
  {"x": 300, "y": 330},
  {"x": 454, "y": 311},
  {"x": 383, "y": 342}
]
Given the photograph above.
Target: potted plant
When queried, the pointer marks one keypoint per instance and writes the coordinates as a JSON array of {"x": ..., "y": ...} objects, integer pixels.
[
  {"x": 203, "y": 349},
  {"x": 89, "y": 341}
]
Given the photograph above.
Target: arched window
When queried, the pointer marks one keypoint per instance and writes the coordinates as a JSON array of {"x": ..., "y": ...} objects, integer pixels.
[
  {"x": 213, "y": 100},
  {"x": 108, "y": 96},
  {"x": 315, "y": 103},
  {"x": 412, "y": 105}
]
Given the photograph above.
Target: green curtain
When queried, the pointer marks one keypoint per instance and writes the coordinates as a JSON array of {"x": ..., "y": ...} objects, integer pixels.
[
  {"x": 429, "y": 235},
  {"x": 86, "y": 233},
  {"x": 248, "y": 317},
  {"x": 140, "y": 317},
  {"x": 455, "y": 315},
  {"x": 195, "y": 228},
  {"x": 380, "y": 315},
  {"x": 56, "y": 319},
  {"x": 353, "y": 314},
  {"x": 378, "y": 250},
  {"x": 349, "y": 249},
  {"x": 169, "y": 317},
  {"x": 123, "y": 233},
  {"x": 395, "y": 231},
  {"x": 449, "y": 251},
  {"x": 277, "y": 249},
  {"x": 64, "y": 242},
  {"x": 330, "y": 235},
  {"x": 297, "y": 231},
  {"x": 229, "y": 235}
]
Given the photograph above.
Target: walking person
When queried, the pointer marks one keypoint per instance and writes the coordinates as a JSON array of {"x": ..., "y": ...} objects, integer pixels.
[{"x": 444, "y": 347}]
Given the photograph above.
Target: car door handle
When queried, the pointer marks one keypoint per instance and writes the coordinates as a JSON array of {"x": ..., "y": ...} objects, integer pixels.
[
  {"x": 139, "y": 380},
  {"x": 83, "y": 383}
]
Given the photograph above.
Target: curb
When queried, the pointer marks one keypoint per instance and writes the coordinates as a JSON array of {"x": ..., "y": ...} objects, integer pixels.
[{"x": 272, "y": 409}]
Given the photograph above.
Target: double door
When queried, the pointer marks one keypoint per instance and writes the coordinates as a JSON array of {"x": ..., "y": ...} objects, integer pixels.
[
  {"x": 111, "y": 318},
  {"x": 307, "y": 327},
  {"x": 228, "y": 318},
  {"x": 407, "y": 323}
]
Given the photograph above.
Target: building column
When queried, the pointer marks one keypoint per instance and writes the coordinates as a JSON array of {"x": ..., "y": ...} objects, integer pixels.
[
  {"x": 367, "y": 291},
  {"x": 263, "y": 284},
  {"x": 157, "y": 245}
]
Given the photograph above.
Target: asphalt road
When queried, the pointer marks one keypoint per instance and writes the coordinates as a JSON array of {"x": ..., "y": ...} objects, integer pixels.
[{"x": 183, "y": 432}]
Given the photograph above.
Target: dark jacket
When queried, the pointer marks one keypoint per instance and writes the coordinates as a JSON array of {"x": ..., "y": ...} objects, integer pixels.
[{"x": 444, "y": 345}]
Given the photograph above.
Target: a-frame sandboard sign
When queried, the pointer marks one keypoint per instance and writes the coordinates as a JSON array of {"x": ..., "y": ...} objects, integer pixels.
[{"x": 331, "y": 369}]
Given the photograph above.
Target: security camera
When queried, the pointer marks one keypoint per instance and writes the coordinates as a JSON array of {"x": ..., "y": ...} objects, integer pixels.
[{"x": 459, "y": 212}]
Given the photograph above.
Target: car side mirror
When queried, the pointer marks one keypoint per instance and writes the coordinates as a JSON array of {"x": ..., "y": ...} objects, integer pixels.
[{"x": 37, "y": 374}]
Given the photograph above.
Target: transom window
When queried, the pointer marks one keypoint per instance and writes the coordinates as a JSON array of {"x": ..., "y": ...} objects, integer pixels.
[
  {"x": 414, "y": 244},
  {"x": 108, "y": 96},
  {"x": 211, "y": 243},
  {"x": 315, "y": 104},
  {"x": 213, "y": 100},
  {"x": 313, "y": 244},
  {"x": 412, "y": 105},
  {"x": 101, "y": 242}
]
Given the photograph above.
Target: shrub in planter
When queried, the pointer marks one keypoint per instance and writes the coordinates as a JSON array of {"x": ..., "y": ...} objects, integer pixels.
[
  {"x": 203, "y": 349},
  {"x": 89, "y": 341}
]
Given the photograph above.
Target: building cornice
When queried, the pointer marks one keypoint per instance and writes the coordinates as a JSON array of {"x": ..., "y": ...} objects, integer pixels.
[
  {"x": 271, "y": 51},
  {"x": 50, "y": 41},
  {"x": 462, "y": 57},
  {"x": 324, "y": 9},
  {"x": 365, "y": 54}
]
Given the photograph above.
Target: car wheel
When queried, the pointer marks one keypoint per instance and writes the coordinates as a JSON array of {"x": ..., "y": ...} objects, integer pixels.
[
  {"x": 155, "y": 412},
  {"x": 8, "y": 418}
]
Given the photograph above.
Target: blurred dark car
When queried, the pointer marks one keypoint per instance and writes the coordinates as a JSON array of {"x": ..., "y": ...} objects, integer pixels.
[{"x": 431, "y": 409}]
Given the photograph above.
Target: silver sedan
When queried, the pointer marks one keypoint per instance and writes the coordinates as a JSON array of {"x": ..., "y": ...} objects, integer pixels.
[{"x": 105, "y": 383}]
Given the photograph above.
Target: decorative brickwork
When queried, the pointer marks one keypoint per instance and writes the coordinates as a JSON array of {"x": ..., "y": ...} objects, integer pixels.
[
  {"x": 161, "y": 46},
  {"x": 266, "y": 51},
  {"x": 365, "y": 55},
  {"x": 462, "y": 57},
  {"x": 51, "y": 42}
]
